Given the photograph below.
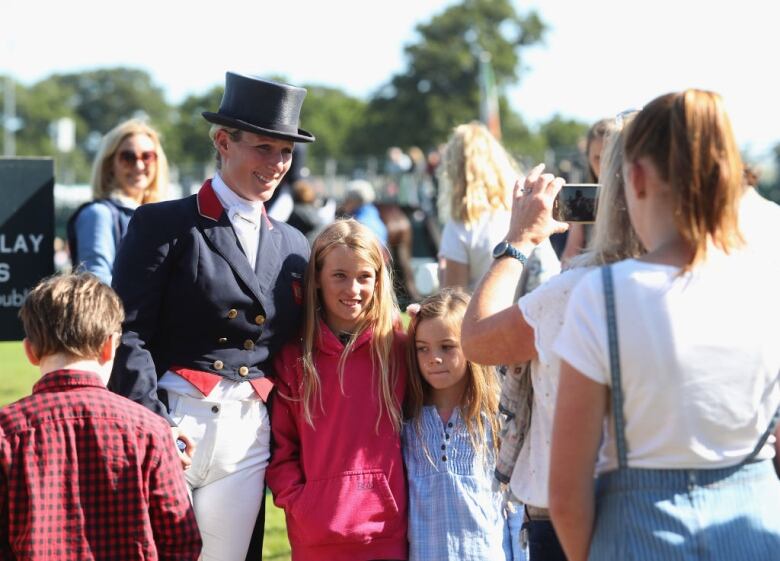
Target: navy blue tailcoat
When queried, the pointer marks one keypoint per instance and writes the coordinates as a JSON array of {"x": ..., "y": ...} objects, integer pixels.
[{"x": 192, "y": 300}]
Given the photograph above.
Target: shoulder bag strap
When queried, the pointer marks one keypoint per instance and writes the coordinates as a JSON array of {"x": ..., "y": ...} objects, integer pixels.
[
  {"x": 614, "y": 367},
  {"x": 761, "y": 441}
]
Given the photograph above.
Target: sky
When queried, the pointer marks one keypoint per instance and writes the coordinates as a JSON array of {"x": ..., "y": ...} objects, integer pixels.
[{"x": 599, "y": 56}]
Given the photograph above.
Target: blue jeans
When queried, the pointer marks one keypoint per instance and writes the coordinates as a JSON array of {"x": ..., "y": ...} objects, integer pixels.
[{"x": 513, "y": 549}]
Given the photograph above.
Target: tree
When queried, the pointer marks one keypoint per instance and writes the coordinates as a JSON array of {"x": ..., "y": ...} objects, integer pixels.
[
  {"x": 335, "y": 119},
  {"x": 520, "y": 140},
  {"x": 97, "y": 101},
  {"x": 191, "y": 146},
  {"x": 38, "y": 107},
  {"x": 560, "y": 132},
  {"x": 105, "y": 97},
  {"x": 440, "y": 88}
]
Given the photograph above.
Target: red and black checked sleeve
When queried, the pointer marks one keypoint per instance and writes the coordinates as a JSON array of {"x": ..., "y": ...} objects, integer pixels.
[{"x": 176, "y": 533}]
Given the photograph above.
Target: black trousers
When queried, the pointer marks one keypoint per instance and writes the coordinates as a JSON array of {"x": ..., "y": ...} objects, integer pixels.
[{"x": 543, "y": 544}]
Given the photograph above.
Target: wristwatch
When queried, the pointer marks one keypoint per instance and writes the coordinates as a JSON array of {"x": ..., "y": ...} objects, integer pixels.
[{"x": 505, "y": 249}]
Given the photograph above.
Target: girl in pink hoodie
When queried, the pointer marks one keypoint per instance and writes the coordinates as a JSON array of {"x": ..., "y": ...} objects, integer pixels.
[{"x": 337, "y": 467}]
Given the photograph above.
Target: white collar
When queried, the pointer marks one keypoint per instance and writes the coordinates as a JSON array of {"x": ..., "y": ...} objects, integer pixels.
[
  {"x": 234, "y": 203},
  {"x": 124, "y": 200}
]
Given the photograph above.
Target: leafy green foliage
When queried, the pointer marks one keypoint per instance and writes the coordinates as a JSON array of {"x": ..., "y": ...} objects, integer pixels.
[
  {"x": 418, "y": 106},
  {"x": 440, "y": 87},
  {"x": 187, "y": 143},
  {"x": 335, "y": 119},
  {"x": 559, "y": 131}
]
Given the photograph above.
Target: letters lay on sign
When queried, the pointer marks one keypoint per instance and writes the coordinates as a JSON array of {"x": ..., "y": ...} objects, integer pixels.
[{"x": 26, "y": 235}]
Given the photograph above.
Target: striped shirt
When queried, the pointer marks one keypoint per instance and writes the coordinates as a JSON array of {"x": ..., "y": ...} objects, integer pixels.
[{"x": 453, "y": 512}]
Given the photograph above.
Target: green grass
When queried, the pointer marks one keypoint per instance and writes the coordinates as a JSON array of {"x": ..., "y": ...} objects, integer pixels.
[
  {"x": 17, "y": 376},
  {"x": 276, "y": 546},
  {"x": 16, "y": 380}
]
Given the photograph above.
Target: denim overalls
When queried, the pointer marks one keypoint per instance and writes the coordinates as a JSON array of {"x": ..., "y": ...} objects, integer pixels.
[{"x": 682, "y": 514}]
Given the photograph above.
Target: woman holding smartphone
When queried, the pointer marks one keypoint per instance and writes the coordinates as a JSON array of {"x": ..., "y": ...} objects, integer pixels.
[{"x": 499, "y": 329}]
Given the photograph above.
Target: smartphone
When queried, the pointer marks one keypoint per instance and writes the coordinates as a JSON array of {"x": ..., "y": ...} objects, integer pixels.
[{"x": 576, "y": 202}]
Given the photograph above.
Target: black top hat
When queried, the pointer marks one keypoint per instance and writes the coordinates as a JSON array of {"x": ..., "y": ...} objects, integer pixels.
[{"x": 262, "y": 107}]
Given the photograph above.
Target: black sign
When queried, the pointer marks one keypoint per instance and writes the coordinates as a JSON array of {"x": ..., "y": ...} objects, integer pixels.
[{"x": 26, "y": 235}]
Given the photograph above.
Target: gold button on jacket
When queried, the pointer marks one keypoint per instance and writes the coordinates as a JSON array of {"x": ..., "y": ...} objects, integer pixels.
[
  {"x": 249, "y": 344},
  {"x": 260, "y": 319},
  {"x": 232, "y": 313},
  {"x": 218, "y": 365},
  {"x": 243, "y": 371}
]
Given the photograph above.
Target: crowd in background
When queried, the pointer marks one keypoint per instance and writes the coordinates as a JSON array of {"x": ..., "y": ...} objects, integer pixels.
[{"x": 612, "y": 394}]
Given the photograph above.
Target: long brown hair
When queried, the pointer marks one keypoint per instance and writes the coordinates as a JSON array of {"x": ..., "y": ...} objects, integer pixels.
[
  {"x": 482, "y": 388},
  {"x": 381, "y": 315},
  {"x": 688, "y": 138}
]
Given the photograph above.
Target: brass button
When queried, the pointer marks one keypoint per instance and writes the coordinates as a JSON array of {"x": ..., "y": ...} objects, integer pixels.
[
  {"x": 249, "y": 344},
  {"x": 243, "y": 371},
  {"x": 222, "y": 340},
  {"x": 218, "y": 365},
  {"x": 259, "y": 319},
  {"x": 232, "y": 313}
]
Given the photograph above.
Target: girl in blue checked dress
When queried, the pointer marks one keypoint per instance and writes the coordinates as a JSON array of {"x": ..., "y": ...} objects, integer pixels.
[{"x": 449, "y": 441}]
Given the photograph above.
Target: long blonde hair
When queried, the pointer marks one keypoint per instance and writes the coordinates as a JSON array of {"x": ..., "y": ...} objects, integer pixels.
[
  {"x": 479, "y": 174},
  {"x": 482, "y": 387},
  {"x": 382, "y": 315},
  {"x": 103, "y": 183},
  {"x": 614, "y": 238}
]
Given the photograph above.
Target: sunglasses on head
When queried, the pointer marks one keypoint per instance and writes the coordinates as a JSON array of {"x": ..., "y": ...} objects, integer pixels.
[
  {"x": 130, "y": 158},
  {"x": 623, "y": 117}
]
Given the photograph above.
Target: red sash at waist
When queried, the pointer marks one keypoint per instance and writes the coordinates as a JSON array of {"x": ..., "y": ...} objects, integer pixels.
[{"x": 204, "y": 382}]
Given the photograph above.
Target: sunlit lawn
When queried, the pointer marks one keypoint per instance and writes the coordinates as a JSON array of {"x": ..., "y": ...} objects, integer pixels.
[{"x": 17, "y": 377}]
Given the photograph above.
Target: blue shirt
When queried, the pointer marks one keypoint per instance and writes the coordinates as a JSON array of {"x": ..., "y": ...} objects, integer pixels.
[
  {"x": 453, "y": 512},
  {"x": 96, "y": 237},
  {"x": 368, "y": 215}
]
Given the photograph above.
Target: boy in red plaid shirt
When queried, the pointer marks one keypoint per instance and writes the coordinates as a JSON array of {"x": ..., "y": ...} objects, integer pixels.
[{"x": 84, "y": 473}]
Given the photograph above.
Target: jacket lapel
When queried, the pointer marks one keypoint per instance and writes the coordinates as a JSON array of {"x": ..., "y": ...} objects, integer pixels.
[{"x": 215, "y": 226}]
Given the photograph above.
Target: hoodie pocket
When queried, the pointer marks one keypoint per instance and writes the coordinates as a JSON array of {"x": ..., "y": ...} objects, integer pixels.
[{"x": 354, "y": 507}]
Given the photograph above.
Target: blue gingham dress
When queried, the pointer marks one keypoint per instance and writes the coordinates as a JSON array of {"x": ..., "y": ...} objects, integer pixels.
[{"x": 453, "y": 512}]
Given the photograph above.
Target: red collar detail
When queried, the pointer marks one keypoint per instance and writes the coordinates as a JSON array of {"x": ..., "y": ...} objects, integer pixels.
[
  {"x": 208, "y": 203},
  {"x": 210, "y": 207}
]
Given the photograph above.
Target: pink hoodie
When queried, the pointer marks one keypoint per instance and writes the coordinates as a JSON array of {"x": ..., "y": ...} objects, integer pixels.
[{"x": 341, "y": 484}]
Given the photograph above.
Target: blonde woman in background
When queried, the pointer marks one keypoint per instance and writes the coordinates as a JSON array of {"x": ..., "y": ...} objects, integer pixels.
[
  {"x": 479, "y": 176},
  {"x": 130, "y": 169}
]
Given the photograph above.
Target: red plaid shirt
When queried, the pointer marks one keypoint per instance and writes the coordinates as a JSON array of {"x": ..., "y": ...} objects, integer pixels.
[{"x": 86, "y": 475}]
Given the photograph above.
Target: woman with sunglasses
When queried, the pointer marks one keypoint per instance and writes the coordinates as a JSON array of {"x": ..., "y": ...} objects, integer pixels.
[{"x": 130, "y": 169}]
